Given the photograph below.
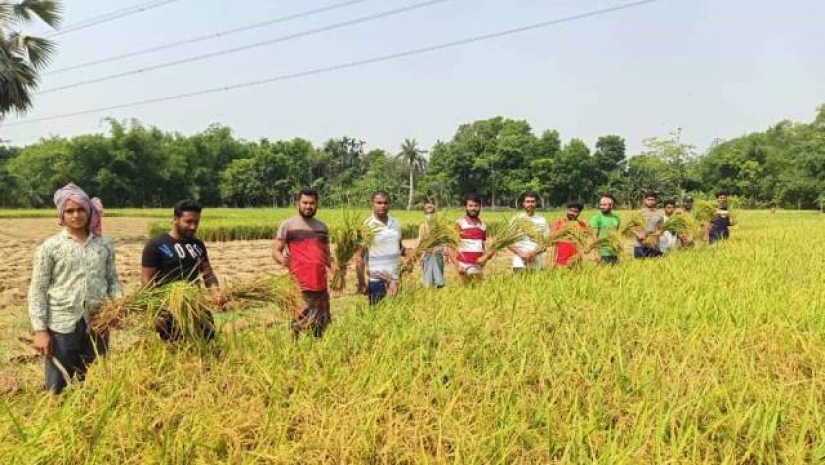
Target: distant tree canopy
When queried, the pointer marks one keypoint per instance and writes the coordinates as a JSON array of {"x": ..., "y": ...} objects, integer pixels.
[{"x": 498, "y": 158}]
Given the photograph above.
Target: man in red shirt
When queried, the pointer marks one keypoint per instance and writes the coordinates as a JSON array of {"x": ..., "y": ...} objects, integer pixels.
[
  {"x": 302, "y": 246},
  {"x": 566, "y": 252}
]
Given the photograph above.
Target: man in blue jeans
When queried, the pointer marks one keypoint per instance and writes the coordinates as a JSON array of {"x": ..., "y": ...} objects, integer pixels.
[{"x": 376, "y": 267}]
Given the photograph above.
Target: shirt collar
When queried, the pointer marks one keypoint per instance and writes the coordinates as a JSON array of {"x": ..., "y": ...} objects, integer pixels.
[{"x": 68, "y": 237}]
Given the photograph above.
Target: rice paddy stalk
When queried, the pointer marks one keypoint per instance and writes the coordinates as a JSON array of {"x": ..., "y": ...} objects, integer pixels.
[{"x": 348, "y": 236}]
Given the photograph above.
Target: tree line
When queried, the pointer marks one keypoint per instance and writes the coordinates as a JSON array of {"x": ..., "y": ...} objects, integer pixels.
[{"x": 133, "y": 165}]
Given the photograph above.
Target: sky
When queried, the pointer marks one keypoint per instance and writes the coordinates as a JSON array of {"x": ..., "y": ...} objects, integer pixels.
[{"x": 717, "y": 69}]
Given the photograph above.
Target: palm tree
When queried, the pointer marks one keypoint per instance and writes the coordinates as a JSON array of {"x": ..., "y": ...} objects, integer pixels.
[
  {"x": 414, "y": 157},
  {"x": 22, "y": 57}
]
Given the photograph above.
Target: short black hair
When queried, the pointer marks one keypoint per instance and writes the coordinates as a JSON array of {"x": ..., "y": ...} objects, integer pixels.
[
  {"x": 309, "y": 192},
  {"x": 650, "y": 194},
  {"x": 186, "y": 205},
  {"x": 670, "y": 202},
  {"x": 472, "y": 198},
  {"x": 575, "y": 204},
  {"x": 721, "y": 193},
  {"x": 609, "y": 196},
  {"x": 382, "y": 193},
  {"x": 526, "y": 194}
]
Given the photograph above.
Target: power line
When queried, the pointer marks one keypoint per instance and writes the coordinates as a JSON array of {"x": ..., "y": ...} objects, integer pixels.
[
  {"x": 348, "y": 65},
  {"x": 228, "y": 51},
  {"x": 105, "y": 18},
  {"x": 202, "y": 38}
]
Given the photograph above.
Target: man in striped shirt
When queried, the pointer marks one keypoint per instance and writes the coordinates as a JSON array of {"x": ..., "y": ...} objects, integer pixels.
[
  {"x": 472, "y": 255},
  {"x": 379, "y": 262}
]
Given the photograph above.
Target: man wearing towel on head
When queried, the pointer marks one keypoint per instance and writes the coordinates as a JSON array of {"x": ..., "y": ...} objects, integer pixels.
[{"x": 74, "y": 273}]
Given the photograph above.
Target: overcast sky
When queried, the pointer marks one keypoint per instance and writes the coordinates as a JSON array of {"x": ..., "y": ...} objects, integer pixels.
[{"x": 716, "y": 68}]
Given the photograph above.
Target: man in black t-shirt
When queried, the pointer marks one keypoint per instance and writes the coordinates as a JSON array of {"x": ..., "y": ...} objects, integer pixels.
[{"x": 178, "y": 255}]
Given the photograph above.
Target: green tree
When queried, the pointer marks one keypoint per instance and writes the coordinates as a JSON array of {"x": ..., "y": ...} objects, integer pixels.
[
  {"x": 23, "y": 57},
  {"x": 415, "y": 160}
]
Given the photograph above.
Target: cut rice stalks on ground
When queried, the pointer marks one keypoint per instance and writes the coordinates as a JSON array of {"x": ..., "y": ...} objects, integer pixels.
[{"x": 352, "y": 233}]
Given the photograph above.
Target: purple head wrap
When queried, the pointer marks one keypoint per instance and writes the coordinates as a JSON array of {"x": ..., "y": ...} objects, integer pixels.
[{"x": 93, "y": 206}]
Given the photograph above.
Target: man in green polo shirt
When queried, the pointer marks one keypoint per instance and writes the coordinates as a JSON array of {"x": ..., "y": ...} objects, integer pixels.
[{"x": 604, "y": 222}]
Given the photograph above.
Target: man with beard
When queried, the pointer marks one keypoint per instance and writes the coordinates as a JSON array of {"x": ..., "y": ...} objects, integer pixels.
[
  {"x": 566, "y": 252},
  {"x": 376, "y": 267},
  {"x": 302, "y": 246},
  {"x": 687, "y": 204},
  {"x": 527, "y": 255},
  {"x": 602, "y": 224},
  {"x": 471, "y": 256},
  {"x": 178, "y": 255},
  {"x": 74, "y": 273}
]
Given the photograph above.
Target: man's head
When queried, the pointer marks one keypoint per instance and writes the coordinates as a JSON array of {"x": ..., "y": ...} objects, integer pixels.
[
  {"x": 670, "y": 207},
  {"x": 187, "y": 218},
  {"x": 606, "y": 203},
  {"x": 308, "y": 203},
  {"x": 722, "y": 199},
  {"x": 381, "y": 203},
  {"x": 574, "y": 209},
  {"x": 687, "y": 203},
  {"x": 75, "y": 215},
  {"x": 650, "y": 199},
  {"x": 77, "y": 211},
  {"x": 429, "y": 208},
  {"x": 472, "y": 205},
  {"x": 529, "y": 202}
]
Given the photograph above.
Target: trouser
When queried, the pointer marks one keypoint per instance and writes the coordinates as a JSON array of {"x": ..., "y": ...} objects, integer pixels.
[
  {"x": 377, "y": 290},
  {"x": 609, "y": 260},
  {"x": 169, "y": 330},
  {"x": 75, "y": 351},
  {"x": 433, "y": 264},
  {"x": 315, "y": 314},
  {"x": 645, "y": 252}
]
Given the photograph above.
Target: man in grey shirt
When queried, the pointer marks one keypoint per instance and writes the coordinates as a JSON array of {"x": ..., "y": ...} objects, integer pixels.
[
  {"x": 74, "y": 273},
  {"x": 653, "y": 221}
]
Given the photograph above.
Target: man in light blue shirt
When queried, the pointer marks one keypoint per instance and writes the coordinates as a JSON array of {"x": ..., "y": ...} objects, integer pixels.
[{"x": 74, "y": 273}]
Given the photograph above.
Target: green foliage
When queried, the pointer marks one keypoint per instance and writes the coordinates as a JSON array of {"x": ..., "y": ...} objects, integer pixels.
[{"x": 497, "y": 158}]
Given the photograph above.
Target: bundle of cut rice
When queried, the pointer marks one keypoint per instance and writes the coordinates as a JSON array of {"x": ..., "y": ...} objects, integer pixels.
[
  {"x": 351, "y": 234},
  {"x": 263, "y": 290},
  {"x": 439, "y": 234},
  {"x": 511, "y": 233}
]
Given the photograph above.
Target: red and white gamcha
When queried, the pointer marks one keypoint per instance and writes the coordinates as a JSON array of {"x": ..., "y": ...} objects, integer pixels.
[{"x": 473, "y": 233}]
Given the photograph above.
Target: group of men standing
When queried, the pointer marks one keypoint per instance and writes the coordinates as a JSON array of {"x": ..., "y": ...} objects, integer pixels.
[{"x": 74, "y": 271}]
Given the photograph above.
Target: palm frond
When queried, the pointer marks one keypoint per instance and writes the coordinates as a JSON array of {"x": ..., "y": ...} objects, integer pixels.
[{"x": 48, "y": 11}]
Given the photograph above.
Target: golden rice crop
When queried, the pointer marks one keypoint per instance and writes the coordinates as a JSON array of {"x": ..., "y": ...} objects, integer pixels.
[
  {"x": 281, "y": 291},
  {"x": 440, "y": 234},
  {"x": 708, "y": 355},
  {"x": 511, "y": 233}
]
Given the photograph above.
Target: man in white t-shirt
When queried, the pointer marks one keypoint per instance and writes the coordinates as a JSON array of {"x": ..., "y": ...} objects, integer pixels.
[
  {"x": 377, "y": 266},
  {"x": 527, "y": 254}
]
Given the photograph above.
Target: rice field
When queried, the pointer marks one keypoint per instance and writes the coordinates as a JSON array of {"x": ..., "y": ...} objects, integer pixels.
[{"x": 710, "y": 355}]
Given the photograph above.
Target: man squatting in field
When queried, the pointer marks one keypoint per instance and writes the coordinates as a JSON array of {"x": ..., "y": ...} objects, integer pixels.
[
  {"x": 602, "y": 224},
  {"x": 527, "y": 255},
  {"x": 432, "y": 262},
  {"x": 302, "y": 246},
  {"x": 178, "y": 255},
  {"x": 376, "y": 267},
  {"x": 653, "y": 220},
  {"x": 471, "y": 256},
  {"x": 74, "y": 272}
]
